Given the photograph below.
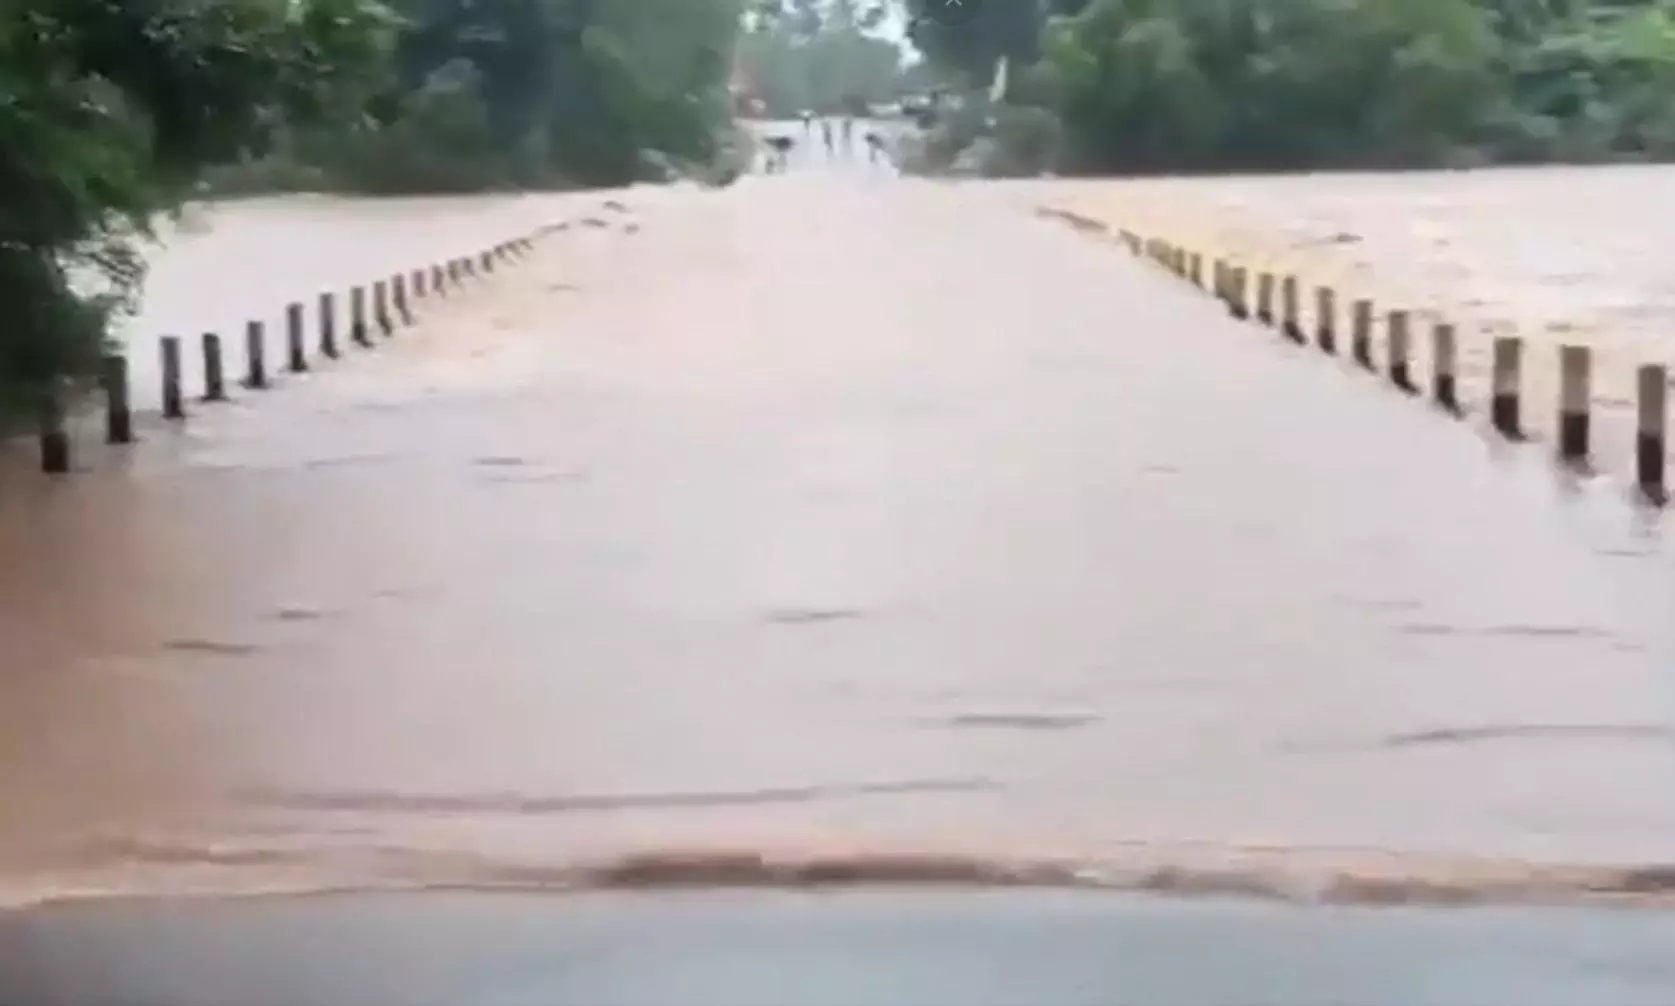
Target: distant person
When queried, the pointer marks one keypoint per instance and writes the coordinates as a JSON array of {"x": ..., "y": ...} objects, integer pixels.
[
  {"x": 826, "y": 133},
  {"x": 808, "y": 121},
  {"x": 779, "y": 153},
  {"x": 848, "y": 133},
  {"x": 875, "y": 147}
]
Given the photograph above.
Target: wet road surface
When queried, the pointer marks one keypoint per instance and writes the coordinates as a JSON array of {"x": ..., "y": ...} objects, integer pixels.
[
  {"x": 924, "y": 948},
  {"x": 832, "y": 514}
]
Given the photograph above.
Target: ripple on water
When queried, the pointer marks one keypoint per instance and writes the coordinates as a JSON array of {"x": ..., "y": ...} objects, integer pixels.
[
  {"x": 159, "y": 866},
  {"x": 213, "y": 647},
  {"x": 1022, "y": 720},
  {"x": 515, "y": 803}
]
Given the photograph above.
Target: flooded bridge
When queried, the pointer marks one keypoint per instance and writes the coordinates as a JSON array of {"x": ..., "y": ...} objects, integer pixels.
[{"x": 829, "y": 518}]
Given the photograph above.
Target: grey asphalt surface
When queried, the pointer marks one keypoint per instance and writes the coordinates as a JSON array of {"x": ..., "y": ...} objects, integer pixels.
[{"x": 877, "y": 948}]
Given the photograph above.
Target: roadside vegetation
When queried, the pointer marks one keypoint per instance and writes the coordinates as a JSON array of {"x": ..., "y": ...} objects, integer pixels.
[
  {"x": 828, "y": 57},
  {"x": 1215, "y": 85}
]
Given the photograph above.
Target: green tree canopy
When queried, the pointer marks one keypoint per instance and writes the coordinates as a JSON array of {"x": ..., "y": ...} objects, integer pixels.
[
  {"x": 823, "y": 55},
  {"x": 109, "y": 109},
  {"x": 1145, "y": 85}
]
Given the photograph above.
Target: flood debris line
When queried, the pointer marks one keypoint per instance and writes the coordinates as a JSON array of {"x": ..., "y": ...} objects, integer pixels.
[
  {"x": 1233, "y": 278},
  {"x": 377, "y": 308}
]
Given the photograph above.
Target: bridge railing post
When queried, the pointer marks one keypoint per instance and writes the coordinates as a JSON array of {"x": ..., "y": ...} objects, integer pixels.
[{"x": 1651, "y": 445}]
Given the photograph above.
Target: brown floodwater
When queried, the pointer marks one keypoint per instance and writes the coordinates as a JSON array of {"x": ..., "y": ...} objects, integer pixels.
[
  {"x": 223, "y": 265},
  {"x": 854, "y": 523},
  {"x": 1554, "y": 255}
]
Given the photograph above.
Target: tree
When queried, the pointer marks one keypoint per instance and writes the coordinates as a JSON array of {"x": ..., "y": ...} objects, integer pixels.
[
  {"x": 1150, "y": 85},
  {"x": 494, "y": 93},
  {"x": 823, "y": 56},
  {"x": 1000, "y": 28},
  {"x": 109, "y": 109}
]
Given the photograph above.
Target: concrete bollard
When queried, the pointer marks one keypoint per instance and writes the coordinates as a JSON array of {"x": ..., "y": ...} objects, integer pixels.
[
  {"x": 381, "y": 307},
  {"x": 55, "y": 439},
  {"x": 174, "y": 402},
  {"x": 468, "y": 267},
  {"x": 1218, "y": 271},
  {"x": 398, "y": 290},
  {"x": 328, "y": 325},
  {"x": 296, "y": 354},
  {"x": 119, "y": 414},
  {"x": 1195, "y": 269},
  {"x": 1651, "y": 446},
  {"x": 1505, "y": 382},
  {"x": 1291, "y": 317},
  {"x": 1445, "y": 367},
  {"x": 419, "y": 284},
  {"x": 1397, "y": 335},
  {"x": 438, "y": 280},
  {"x": 453, "y": 273},
  {"x": 255, "y": 355},
  {"x": 487, "y": 260},
  {"x": 1575, "y": 401},
  {"x": 1238, "y": 303},
  {"x": 1265, "y": 298},
  {"x": 1361, "y": 333},
  {"x": 215, "y": 375},
  {"x": 357, "y": 316},
  {"x": 1326, "y": 319}
]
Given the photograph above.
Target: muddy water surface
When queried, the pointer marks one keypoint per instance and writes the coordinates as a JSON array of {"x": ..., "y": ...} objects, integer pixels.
[
  {"x": 1555, "y": 255},
  {"x": 832, "y": 519},
  {"x": 223, "y": 265}
]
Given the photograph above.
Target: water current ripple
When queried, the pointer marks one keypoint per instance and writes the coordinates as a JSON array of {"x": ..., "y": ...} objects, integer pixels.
[{"x": 512, "y": 803}]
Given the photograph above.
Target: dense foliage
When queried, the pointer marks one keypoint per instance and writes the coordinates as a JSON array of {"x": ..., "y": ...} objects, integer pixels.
[
  {"x": 826, "y": 56},
  {"x": 500, "y": 93},
  {"x": 109, "y": 109},
  {"x": 1146, "y": 85}
]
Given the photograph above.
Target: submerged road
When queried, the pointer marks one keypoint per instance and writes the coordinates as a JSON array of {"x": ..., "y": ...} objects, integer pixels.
[{"x": 831, "y": 515}]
